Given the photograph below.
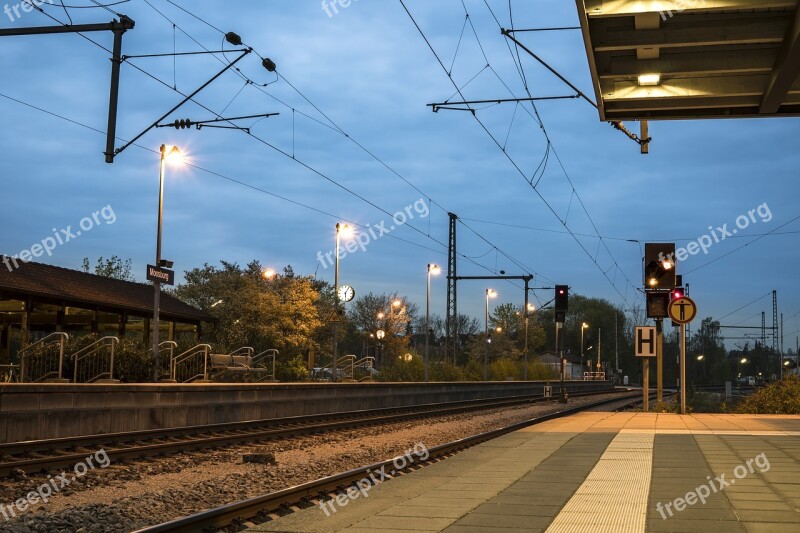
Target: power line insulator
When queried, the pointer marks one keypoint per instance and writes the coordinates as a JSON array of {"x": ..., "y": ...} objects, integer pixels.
[
  {"x": 269, "y": 64},
  {"x": 233, "y": 38},
  {"x": 183, "y": 124}
]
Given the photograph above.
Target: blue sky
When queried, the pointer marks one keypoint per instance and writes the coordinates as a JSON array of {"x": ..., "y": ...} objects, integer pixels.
[{"x": 369, "y": 70}]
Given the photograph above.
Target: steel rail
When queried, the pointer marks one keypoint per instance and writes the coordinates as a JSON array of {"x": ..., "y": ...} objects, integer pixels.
[
  {"x": 226, "y": 515},
  {"x": 137, "y": 444}
]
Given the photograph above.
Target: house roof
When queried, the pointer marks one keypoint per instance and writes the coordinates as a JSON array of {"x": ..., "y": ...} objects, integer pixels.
[
  {"x": 79, "y": 289},
  {"x": 713, "y": 58}
]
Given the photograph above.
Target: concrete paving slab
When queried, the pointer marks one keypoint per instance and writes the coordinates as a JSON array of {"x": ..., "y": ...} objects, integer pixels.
[{"x": 523, "y": 481}]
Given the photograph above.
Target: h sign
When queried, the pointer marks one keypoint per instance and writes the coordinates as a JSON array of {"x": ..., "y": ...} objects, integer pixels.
[{"x": 645, "y": 341}]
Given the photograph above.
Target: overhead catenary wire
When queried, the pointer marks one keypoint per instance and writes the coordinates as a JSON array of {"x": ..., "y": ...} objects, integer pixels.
[
  {"x": 333, "y": 124},
  {"x": 522, "y": 173}
]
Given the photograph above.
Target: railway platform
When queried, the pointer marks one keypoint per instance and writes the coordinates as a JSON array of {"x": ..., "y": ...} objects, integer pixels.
[{"x": 593, "y": 472}]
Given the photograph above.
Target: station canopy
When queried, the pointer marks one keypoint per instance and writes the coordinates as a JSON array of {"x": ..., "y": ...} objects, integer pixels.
[{"x": 685, "y": 59}]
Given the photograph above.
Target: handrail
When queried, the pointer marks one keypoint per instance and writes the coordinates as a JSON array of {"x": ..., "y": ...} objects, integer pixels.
[
  {"x": 203, "y": 349},
  {"x": 244, "y": 350},
  {"x": 365, "y": 363},
  {"x": 272, "y": 352},
  {"x": 28, "y": 352},
  {"x": 93, "y": 349},
  {"x": 351, "y": 359},
  {"x": 168, "y": 348}
]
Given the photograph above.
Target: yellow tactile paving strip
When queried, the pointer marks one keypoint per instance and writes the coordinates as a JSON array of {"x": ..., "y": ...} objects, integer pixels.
[{"x": 614, "y": 496}]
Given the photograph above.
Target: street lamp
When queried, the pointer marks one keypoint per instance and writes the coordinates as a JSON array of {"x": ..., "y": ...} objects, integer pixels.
[
  {"x": 380, "y": 334},
  {"x": 583, "y": 327},
  {"x": 432, "y": 270},
  {"x": 490, "y": 293},
  {"x": 172, "y": 156},
  {"x": 530, "y": 309},
  {"x": 342, "y": 230}
]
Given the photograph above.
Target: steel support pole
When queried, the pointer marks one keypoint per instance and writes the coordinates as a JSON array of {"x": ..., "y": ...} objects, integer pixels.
[
  {"x": 427, "y": 323},
  {"x": 659, "y": 361},
  {"x": 486, "y": 342},
  {"x": 157, "y": 284},
  {"x": 336, "y": 308},
  {"x": 645, "y": 384},
  {"x": 683, "y": 369}
]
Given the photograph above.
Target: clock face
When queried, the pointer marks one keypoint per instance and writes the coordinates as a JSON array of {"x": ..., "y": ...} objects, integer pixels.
[{"x": 346, "y": 293}]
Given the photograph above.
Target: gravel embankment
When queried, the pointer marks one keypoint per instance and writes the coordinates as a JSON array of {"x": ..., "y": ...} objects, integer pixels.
[{"x": 128, "y": 496}]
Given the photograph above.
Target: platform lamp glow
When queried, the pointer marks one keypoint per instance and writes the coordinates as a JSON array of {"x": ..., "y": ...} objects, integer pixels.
[
  {"x": 432, "y": 270},
  {"x": 342, "y": 230},
  {"x": 490, "y": 293},
  {"x": 174, "y": 157}
]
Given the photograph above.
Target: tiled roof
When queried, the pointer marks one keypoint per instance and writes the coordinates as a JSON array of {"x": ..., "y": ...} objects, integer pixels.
[{"x": 78, "y": 289}]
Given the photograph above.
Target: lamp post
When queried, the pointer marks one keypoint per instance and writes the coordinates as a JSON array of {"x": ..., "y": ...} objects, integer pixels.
[
  {"x": 435, "y": 270},
  {"x": 584, "y": 325},
  {"x": 528, "y": 310},
  {"x": 341, "y": 229},
  {"x": 173, "y": 156},
  {"x": 380, "y": 334},
  {"x": 490, "y": 293}
]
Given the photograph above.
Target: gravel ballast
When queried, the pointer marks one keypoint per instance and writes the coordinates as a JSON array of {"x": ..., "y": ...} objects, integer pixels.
[{"x": 131, "y": 495}]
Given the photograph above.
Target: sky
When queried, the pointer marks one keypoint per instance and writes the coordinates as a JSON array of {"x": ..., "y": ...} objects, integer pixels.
[{"x": 355, "y": 142}]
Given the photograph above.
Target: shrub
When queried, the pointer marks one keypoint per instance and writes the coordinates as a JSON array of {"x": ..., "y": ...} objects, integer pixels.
[
  {"x": 778, "y": 398},
  {"x": 292, "y": 370},
  {"x": 133, "y": 362},
  {"x": 504, "y": 369}
]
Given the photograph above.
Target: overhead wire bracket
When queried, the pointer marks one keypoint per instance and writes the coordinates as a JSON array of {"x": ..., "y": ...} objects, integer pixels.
[
  {"x": 180, "y": 124},
  {"x": 448, "y": 105},
  {"x": 180, "y": 104},
  {"x": 118, "y": 27}
]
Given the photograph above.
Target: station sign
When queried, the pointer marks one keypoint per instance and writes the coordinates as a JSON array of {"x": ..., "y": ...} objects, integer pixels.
[{"x": 160, "y": 275}]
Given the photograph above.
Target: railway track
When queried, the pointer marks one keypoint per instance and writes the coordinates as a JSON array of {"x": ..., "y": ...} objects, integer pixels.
[
  {"x": 43, "y": 455},
  {"x": 264, "y": 508}
]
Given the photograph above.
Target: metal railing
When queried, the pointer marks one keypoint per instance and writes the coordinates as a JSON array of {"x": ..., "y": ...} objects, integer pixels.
[
  {"x": 345, "y": 367},
  {"x": 192, "y": 364},
  {"x": 594, "y": 376},
  {"x": 243, "y": 357},
  {"x": 39, "y": 362},
  {"x": 364, "y": 366},
  {"x": 166, "y": 353},
  {"x": 260, "y": 361},
  {"x": 96, "y": 361}
]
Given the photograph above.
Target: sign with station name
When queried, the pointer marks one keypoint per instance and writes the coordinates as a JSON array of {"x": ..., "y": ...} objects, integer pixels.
[{"x": 160, "y": 275}]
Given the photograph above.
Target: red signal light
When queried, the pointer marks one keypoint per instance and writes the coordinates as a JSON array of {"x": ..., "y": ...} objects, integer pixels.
[{"x": 676, "y": 294}]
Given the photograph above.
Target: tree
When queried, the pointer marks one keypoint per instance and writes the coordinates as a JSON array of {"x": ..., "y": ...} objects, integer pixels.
[
  {"x": 377, "y": 312},
  {"x": 283, "y": 312},
  {"x": 113, "y": 267}
]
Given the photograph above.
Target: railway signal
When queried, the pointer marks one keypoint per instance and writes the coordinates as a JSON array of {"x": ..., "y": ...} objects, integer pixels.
[{"x": 659, "y": 266}]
